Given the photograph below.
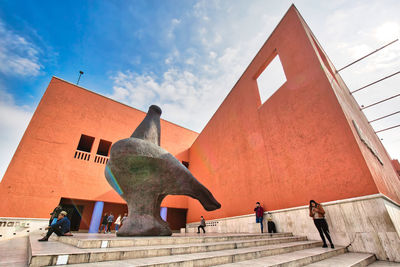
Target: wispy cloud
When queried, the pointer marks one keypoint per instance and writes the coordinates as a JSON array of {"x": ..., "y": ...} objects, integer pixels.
[
  {"x": 357, "y": 30},
  {"x": 204, "y": 63},
  {"x": 216, "y": 40},
  {"x": 18, "y": 56},
  {"x": 13, "y": 121}
]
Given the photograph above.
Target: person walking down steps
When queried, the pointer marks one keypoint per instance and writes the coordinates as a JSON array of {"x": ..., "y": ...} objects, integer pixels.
[
  {"x": 202, "y": 225},
  {"x": 317, "y": 212}
]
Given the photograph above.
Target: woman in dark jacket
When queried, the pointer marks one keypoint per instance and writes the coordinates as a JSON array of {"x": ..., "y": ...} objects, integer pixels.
[{"x": 317, "y": 212}]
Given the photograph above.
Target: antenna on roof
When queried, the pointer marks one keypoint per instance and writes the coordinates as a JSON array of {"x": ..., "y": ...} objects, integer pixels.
[{"x": 80, "y": 74}]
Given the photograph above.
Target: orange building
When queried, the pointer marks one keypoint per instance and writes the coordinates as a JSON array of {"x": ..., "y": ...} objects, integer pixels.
[
  {"x": 309, "y": 140},
  {"x": 62, "y": 155},
  {"x": 396, "y": 166}
]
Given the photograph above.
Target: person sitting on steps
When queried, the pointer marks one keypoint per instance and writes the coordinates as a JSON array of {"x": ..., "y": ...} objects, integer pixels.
[
  {"x": 271, "y": 224},
  {"x": 61, "y": 227}
]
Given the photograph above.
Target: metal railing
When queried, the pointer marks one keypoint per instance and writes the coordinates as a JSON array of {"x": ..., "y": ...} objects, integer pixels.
[
  {"x": 101, "y": 159},
  {"x": 82, "y": 155}
]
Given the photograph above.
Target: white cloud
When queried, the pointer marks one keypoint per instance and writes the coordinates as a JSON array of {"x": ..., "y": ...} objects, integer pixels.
[
  {"x": 217, "y": 40},
  {"x": 13, "y": 122},
  {"x": 190, "y": 61},
  {"x": 174, "y": 23},
  {"x": 17, "y": 55},
  {"x": 193, "y": 86},
  {"x": 212, "y": 54},
  {"x": 387, "y": 31},
  {"x": 364, "y": 27}
]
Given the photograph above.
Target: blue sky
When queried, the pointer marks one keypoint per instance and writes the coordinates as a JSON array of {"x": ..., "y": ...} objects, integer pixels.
[
  {"x": 183, "y": 55},
  {"x": 99, "y": 37}
]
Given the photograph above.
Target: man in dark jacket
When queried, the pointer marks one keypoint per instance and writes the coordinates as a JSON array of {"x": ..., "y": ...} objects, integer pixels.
[
  {"x": 110, "y": 220},
  {"x": 61, "y": 227},
  {"x": 259, "y": 215}
]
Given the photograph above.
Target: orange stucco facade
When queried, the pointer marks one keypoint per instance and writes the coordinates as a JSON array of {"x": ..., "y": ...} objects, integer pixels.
[
  {"x": 309, "y": 140},
  {"x": 44, "y": 169},
  {"x": 300, "y": 144},
  {"x": 396, "y": 166}
]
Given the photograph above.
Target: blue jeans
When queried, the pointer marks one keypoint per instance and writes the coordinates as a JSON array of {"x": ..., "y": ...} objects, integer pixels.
[
  {"x": 116, "y": 227},
  {"x": 260, "y": 221}
]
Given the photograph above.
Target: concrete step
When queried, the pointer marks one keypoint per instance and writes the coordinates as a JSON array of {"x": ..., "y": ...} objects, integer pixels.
[
  {"x": 53, "y": 252},
  {"x": 296, "y": 258},
  {"x": 210, "y": 258},
  {"x": 384, "y": 264},
  {"x": 111, "y": 241},
  {"x": 346, "y": 260}
]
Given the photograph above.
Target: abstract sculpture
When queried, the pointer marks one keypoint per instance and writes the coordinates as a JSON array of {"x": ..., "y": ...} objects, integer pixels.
[{"x": 144, "y": 174}]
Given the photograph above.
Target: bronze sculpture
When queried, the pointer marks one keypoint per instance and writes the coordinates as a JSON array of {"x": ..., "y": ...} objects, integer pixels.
[{"x": 144, "y": 174}]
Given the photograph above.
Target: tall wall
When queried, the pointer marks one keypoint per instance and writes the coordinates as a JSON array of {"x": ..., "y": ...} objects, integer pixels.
[
  {"x": 298, "y": 145},
  {"x": 374, "y": 153},
  {"x": 44, "y": 169},
  {"x": 396, "y": 166}
]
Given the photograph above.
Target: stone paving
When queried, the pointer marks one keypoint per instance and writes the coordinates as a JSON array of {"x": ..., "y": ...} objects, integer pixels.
[{"x": 14, "y": 252}]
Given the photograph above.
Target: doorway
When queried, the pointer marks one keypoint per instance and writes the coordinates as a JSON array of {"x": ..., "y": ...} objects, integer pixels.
[
  {"x": 176, "y": 218},
  {"x": 74, "y": 214}
]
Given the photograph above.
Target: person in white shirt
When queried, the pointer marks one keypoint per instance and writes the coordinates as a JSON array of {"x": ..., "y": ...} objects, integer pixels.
[{"x": 117, "y": 223}]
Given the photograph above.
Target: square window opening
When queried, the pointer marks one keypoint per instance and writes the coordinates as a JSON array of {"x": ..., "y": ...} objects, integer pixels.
[
  {"x": 85, "y": 143},
  {"x": 104, "y": 148},
  {"x": 271, "y": 79}
]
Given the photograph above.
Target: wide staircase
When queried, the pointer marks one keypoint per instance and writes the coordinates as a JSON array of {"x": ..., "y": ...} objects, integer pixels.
[{"x": 282, "y": 249}]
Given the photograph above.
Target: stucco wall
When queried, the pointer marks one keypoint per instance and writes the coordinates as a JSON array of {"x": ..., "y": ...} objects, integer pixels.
[
  {"x": 296, "y": 146},
  {"x": 44, "y": 169}
]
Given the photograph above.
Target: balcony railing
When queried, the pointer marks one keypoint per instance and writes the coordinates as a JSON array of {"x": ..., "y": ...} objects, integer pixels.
[
  {"x": 101, "y": 159},
  {"x": 82, "y": 155}
]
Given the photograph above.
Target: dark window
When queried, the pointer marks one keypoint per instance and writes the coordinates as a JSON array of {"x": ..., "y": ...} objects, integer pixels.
[
  {"x": 186, "y": 164},
  {"x": 104, "y": 148},
  {"x": 85, "y": 144}
]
